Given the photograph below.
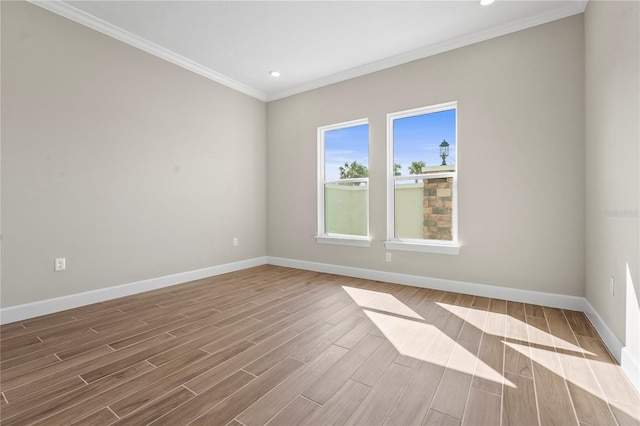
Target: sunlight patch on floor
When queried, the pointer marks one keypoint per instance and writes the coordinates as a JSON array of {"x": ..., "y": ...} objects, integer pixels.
[
  {"x": 522, "y": 331},
  {"x": 578, "y": 371},
  {"x": 414, "y": 338},
  {"x": 380, "y": 302}
]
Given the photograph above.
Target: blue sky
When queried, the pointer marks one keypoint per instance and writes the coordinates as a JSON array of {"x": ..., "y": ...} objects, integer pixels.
[
  {"x": 345, "y": 146},
  {"x": 416, "y": 138}
]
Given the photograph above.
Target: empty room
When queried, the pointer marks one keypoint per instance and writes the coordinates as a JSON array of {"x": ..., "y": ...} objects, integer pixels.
[{"x": 320, "y": 212}]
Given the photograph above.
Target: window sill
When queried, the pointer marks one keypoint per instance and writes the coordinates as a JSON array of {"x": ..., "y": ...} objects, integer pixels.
[
  {"x": 450, "y": 248},
  {"x": 343, "y": 240}
]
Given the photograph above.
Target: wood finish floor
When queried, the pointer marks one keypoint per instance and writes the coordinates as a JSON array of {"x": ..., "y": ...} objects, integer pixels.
[{"x": 279, "y": 346}]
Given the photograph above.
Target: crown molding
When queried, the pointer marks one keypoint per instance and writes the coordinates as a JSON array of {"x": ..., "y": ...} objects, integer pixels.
[
  {"x": 573, "y": 8},
  {"x": 63, "y": 9}
]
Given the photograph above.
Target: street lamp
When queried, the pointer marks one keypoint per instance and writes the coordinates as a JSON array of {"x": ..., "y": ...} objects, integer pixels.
[{"x": 444, "y": 152}]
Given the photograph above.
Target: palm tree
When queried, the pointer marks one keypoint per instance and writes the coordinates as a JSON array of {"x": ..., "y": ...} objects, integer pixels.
[
  {"x": 416, "y": 168},
  {"x": 353, "y": 171},
  {"x": 396, "y": 169}
]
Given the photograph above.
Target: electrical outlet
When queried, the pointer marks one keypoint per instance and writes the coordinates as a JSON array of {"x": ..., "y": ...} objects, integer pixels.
[
  {"x": 235, "y": 241},
  {"x": 612, "y": 285},
  {"x": 388, "y": 257},
  {"x": 60, "y": 264}
]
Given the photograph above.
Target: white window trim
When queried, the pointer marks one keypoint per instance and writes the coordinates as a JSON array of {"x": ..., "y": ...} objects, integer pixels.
[
  {"x": 330, "y": 238},
  {"x": 407, "y": 244}
]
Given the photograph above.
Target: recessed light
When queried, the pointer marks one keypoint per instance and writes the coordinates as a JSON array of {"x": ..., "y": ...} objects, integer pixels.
[
  {"x": 486, "y": 2},
  {"x": 274, "y": 73}
]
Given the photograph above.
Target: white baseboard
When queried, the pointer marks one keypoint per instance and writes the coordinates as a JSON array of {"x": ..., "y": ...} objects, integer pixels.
[
  {"x": 35, "y": 309},
  {"x": 621, "y": 353},
  {"x": 517, "y": 295},
  {"x": 608, "y": 337}
]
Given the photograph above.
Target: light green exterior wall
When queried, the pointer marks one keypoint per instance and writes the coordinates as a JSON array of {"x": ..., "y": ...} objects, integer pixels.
[
  {"x": 346, "y": 213},
  {"x": 409, "y": 213},
  {"x": 345, "y": 209}
]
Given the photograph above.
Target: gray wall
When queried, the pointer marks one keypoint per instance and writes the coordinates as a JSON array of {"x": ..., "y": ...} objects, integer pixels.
[
  {"x": 130, "y": 167},
  {"x": 612, "y": 59},
  {"x": 521, "y": 160}
]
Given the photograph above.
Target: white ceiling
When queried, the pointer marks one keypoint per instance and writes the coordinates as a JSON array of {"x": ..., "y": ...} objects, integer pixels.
[{"x": 312, "y": 43}]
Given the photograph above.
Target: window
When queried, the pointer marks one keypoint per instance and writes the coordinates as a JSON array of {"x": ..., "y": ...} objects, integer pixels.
[
  {"x": 422, "y": 178},
  {"x": 343, "y": 184}
]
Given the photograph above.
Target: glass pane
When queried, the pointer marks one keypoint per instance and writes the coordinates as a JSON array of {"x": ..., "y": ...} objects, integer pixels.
[
  {"x": 425, "y": 143},
  {"x": 345, "y": 208},
  {"x": 424, "y": 210},
  {"x": 346, "y": 153}
]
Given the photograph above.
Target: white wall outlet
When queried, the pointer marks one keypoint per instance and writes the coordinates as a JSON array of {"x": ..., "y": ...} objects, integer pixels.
[
  {"x": 60, "y": 264},
  {"x": 612, "y": 285},
  {"x": 388, "y": 257},
  {"x": 235, "y": 241}
]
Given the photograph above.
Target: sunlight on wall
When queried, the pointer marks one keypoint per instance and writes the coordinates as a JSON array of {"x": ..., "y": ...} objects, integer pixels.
[{"x": 632, "y": 323}]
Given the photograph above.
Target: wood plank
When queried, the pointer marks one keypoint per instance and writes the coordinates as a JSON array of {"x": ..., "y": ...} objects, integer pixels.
[
  {"x": 483, "y": 408},
  {"x": 626, "y": 414},
  {"x": 145, "y": 395},
  {"x": 563, "y": 336},
  {"x": 471, "y": 333},
  {"x": 295, "y": 412},
  {"x": 341, "y": 405},
  {"x": 99, "y": 418},
  {"x": 490, "y": 360},
  {"x": 205, "y": 380},
  {"x": 281, "y": 395},
  {"x": 465, "y": 300},
  {"x": 27, "y": 367},
  {"x": 554, "y": 403},
  {"x": 451, "y": 396},
  {"x": 437, "y": 418},
  {"x": 103, "y": 396},
  {"x": 236, "y": 403},
  {"x": 157, "y": 408},
  {"x": 309, "y": 351},
  {"x": 326, "y": 386},
  {"x": 373, "y": 368},
  {"x": 518, "y": 407},
  {"x": 413, "y": 404},
  {"x": 356, "y": 334},
  {"x": 46, "y": 394},
  {"x": 56, "y": 373},
  {"x": 203, "y": 402},
  {"x": 49, "y": 408},
  {"x": 480, "y": 302},
  {"x": 276, "y": 355},
  {"x": 589, "y": 408},
  {"x": 580, "y": 324},
  {"x": 534, "y": 311},
  {"x": 382, "y": 397},
  {"x": 517, "y": 355},
  {"x": 516, "y": 311}
]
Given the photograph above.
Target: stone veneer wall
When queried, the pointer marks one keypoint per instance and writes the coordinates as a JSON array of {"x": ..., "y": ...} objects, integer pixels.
[{"x": 438, "y": 208}]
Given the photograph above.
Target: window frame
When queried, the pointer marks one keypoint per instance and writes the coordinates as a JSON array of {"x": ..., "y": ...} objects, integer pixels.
[
  {"x": 411, "y": 244},
  {"x": 323, "y": 237}
]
